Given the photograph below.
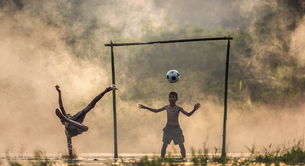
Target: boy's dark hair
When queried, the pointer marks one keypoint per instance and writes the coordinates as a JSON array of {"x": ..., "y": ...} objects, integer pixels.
[{"x": 173, "y": 93}]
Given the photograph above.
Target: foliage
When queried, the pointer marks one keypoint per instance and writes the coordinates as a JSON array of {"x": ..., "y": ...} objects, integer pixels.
[
  {"x": 290, "y": 155},
  {"x": 294, "y": 155},
  {"x": 40, "y": 159},
  {"x": 262, "y": 69},
  {"x": 201, "y": 158}
]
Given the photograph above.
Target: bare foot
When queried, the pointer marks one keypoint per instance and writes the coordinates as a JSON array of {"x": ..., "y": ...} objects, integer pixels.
[
  {"x": 112, "y": 87},
  {"x": 59, "y": 114}
]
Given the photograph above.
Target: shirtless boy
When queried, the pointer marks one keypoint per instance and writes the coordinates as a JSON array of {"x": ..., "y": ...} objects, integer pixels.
[
  {"x": 74, "y": 124},
  {"x": 172, "y": 130}
]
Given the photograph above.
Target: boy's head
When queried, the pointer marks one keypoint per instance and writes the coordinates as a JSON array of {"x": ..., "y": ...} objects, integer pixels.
[{"x": 172, "y": 97}]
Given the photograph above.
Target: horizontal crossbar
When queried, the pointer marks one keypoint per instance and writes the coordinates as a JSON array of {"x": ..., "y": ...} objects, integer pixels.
[{"x": 169, "y": 41}]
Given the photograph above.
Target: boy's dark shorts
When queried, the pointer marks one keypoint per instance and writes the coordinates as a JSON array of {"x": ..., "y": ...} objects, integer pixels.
[
  {"x": 78, "y": 117},
  {"x": 172, "y": 132}
]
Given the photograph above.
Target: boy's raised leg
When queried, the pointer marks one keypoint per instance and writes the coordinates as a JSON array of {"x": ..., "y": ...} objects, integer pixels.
[{"x": 98, "y": 97}]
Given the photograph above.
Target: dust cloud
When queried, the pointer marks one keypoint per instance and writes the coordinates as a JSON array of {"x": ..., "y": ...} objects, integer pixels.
[
  {"x": 34, "y": 58},
  {"x": 297, "y": 43}
]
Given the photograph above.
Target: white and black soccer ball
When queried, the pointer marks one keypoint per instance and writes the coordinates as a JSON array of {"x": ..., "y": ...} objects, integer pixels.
[{"x": 173, "y": 76}]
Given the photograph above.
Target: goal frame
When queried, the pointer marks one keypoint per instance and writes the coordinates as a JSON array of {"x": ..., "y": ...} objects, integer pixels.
[{"x": 112, "y": 45}]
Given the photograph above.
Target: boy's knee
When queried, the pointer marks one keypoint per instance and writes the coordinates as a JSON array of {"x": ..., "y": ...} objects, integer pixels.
[{"x": 86, "y": 129}]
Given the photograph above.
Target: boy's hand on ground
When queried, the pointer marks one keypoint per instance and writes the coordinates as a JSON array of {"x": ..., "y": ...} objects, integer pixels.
[
  {"x": 197, "y": 106},
  {"x": 57, "y": 88}
]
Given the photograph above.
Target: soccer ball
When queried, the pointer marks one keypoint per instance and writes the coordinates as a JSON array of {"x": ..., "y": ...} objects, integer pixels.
[{"x": 173, "y": 76}]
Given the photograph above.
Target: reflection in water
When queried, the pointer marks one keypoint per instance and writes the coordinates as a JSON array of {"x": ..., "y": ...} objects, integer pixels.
[{"x": 104, "y": 159}]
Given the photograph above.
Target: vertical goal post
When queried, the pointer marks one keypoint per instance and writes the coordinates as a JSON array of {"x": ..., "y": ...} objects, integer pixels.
[{"x": 112, "y": 45}]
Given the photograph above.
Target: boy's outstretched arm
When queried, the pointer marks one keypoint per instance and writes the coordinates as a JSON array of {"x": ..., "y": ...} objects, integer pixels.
[
  {"x": 196, "y": 107},
  {"x": 151, "y": 109},
  {"x": 61, "y": 106}
]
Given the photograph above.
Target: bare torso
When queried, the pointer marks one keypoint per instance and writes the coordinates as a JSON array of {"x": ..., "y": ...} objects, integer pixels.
[{"x": 172, "y": 114}]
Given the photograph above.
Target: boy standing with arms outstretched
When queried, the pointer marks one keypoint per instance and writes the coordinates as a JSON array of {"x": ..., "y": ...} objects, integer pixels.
[{"x": 172, "y": 130}]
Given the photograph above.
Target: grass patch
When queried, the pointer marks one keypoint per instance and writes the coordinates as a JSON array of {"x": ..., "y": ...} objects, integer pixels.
[
  {"x": 40, "y": 159},
  {"x": 290, "y": 155},
  {"x": 285, "y": 155}
]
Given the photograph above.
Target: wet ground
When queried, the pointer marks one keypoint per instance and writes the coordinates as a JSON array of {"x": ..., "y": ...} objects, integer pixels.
[{"x": 92, "y": 159}]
